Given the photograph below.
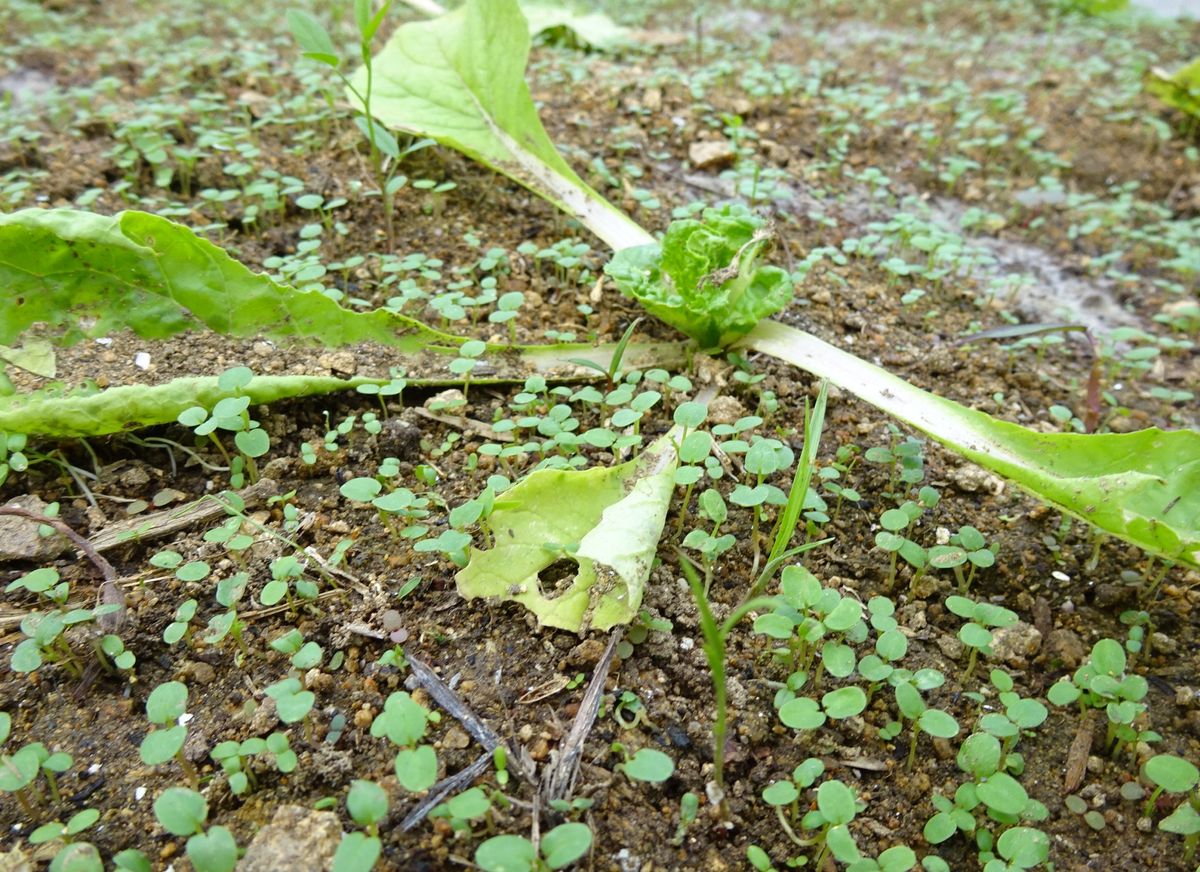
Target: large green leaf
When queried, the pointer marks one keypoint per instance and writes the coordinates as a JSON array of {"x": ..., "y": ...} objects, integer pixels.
[
  {"x": 460, "y": 79},
  {"x": 86, "y": 275},
  {"x": 1142, "y": 487},
  {"x": 1180, "y": 89},
  {"x": 613, "y": 514}
]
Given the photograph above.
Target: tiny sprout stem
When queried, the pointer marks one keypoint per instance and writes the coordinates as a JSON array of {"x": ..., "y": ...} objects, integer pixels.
[
  {"x": 683, "y": 510},
  {"x": 26, "y": 805},
  {"x": 970, "y": 665},
  {"x": 189, "y": 770},
  {"x": 714, "y": 652},
  {"x": 53, "y": 783},
  {"x": 787, "y": 828},
  {"x": 251, "y": 468},
  {"x": 824, "y": 849},
  {"x": 217, "y": 442},
  {"x": 1152, "y": 590},
  {"x": 912, "y": 748},
  {"x": 1148, "y": 808}
]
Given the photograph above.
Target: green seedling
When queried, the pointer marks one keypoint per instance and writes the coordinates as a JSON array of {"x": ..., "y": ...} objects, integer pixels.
[
  {"x": 405, "y": 722},
  {"x": 183, "y": 812},
  {"x": 19, "y": 770},
  {"x": 647, "y": 764},
  {"x": 922, "y": 719},
  {"x": 180, "y": 627},
  {"x": 1102, "y": 682},
  {"x": 12, "y": 447},
  {"x": 715, "y": 637},
  {"x": 78, "y": 822},
  {"x": 367, "y": 804},
  {"x": 467, "y": 361},
  {"x": 392, "y": 388},
  {"x": 708, "y": 542},
  {"x": 975, "y": 634},
  {"x": 559, "y": 848},
  {"x": 231, "y": 414},
  {"x": 304, "y": 655},
  {"x": 1173, "y": 775},
  {"x": 811, "y": 620},
  {"x": 232, "y": 756},
  {"x": 165, "y": 708},
  {"x": 763, "y": 458},
  {"x": 892, "y": 540},
  {"x": 1018, "y": 848},
  {"x": 292, "y": 702},
  {"x": 630, "y": 712},
  {"x": 786, "y": 794},
  {"x": 399, "y": 503},
  {"x": 287, "y": 575},
  {"x": 798, "y": 495},
  {"x": 836, "y": 808},
  {"x": 689, "y": 809},
  {"x": 967, "y": 546},
  {"x": 465, "y": 808}
]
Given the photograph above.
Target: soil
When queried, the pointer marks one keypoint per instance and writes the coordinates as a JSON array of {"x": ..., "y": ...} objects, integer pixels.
[{"x": 639, "y": 114}]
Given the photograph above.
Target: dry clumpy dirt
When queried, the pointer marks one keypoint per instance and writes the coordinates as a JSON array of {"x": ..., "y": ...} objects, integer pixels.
[{"x": 495, "y": 655}]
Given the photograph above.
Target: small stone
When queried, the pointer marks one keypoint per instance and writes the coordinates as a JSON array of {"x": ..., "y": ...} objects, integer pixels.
[
  {"x": 19, "y": 539},
  {"x": 1113, "y": 595},
  {"x": 586, "y": 653},
  {"x": 950, "y": 646},
  {"x": 1186, "y": 696},
  {"x": 972, "y": 479},
  {"x": 652, "y": 99},
  {"x": 711, "y": 154},
  {"x": 297, "y": 839},
  {"x": 456, "y": 739},
  {"x": 725, "y": 409},
  {"x": 265, "y": 717},
  {"x": 1163, "y": 644},
  {"x": 363, "y": 717},
  {"x": 1066, "y": 648},
  {"x": 197, "y": 672},
  {"x": 316, "y": 680},
  {"x": 339, "y": 362},
  {"x": 447, "y": 399},
  {"x": 776, "y": 153},
  {"x": 1017, "y": 642},
  {"x": 929, "y": 584},
  {"x": 1145, "y": 825}
]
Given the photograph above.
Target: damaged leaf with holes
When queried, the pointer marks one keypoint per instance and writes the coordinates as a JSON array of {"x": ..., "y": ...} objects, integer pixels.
[{"x": 576, "y": 547}]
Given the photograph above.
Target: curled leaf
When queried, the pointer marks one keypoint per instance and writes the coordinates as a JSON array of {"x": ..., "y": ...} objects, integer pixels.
[
  {"x": 576, "y": 547},
  {"x": 706, "y": 278}
]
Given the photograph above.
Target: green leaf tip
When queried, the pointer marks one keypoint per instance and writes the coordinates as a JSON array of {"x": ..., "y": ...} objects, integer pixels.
[{"x": 615, "y": 516}]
